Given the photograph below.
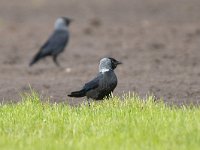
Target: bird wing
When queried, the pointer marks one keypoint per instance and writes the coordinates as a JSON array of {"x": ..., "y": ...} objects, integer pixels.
[
  {"x": 55, "y": 43},
  {"x": 93, "y": 84}
]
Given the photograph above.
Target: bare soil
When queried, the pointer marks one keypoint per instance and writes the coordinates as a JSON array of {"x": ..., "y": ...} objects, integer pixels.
[{"x": 157, "y": 40}]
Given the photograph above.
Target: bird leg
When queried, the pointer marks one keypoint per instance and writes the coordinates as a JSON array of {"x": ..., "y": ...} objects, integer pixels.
[
  {"x": 55, "y": 60},
  {"x": 88, "y": 102}
]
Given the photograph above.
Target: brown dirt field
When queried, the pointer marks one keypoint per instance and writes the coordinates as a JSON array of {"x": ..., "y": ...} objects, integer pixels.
[{"x": 157, "y": 40}]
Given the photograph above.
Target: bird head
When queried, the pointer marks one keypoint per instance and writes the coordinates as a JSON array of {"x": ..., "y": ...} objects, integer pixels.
[
  {"x": 67, "y": 20},
  {"x": 62, "y": 23},
  {"x": 107, "y": 64}
]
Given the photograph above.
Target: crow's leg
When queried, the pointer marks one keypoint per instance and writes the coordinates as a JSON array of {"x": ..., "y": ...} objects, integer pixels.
[
  {"x": 55, "y": 60},
  {"x": 88, "y": 100}
]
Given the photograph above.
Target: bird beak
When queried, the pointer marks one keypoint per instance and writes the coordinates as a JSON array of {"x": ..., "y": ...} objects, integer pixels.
[{"x": 119, "y": 63}]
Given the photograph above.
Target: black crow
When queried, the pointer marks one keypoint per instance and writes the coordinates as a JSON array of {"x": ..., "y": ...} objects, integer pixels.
[
  {"x": 56, "y": 42},
  {"x": 103, "y": 85}
]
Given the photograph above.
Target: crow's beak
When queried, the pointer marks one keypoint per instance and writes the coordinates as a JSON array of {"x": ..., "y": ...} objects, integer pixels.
[{"x": 119, "y": 63}]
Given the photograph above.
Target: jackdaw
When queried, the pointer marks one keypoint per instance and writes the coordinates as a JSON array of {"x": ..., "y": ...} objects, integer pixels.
[
  {"x": 56, "y": 42},
  {"x": 103, "y": 85}
]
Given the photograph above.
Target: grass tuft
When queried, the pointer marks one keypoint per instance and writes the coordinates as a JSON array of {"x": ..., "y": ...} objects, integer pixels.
[{"x": 118, "y": 123}]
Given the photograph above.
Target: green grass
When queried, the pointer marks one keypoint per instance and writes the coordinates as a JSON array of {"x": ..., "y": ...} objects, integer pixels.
[{"x": 130, "y": 123}]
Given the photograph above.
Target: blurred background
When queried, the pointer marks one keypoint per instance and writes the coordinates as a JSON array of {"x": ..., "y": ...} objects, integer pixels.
[{"x": 158, "y": 42}]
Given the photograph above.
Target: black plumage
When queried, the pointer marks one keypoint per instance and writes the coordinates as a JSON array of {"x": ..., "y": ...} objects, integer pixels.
[
  {"x": 56, "y": 43},
  {"x": 103, "y": 85}
]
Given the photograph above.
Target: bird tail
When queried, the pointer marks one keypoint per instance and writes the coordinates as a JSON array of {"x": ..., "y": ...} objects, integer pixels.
[
  {"x": 80, "y": 93},
  {"x": 35, "y": 59}
]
